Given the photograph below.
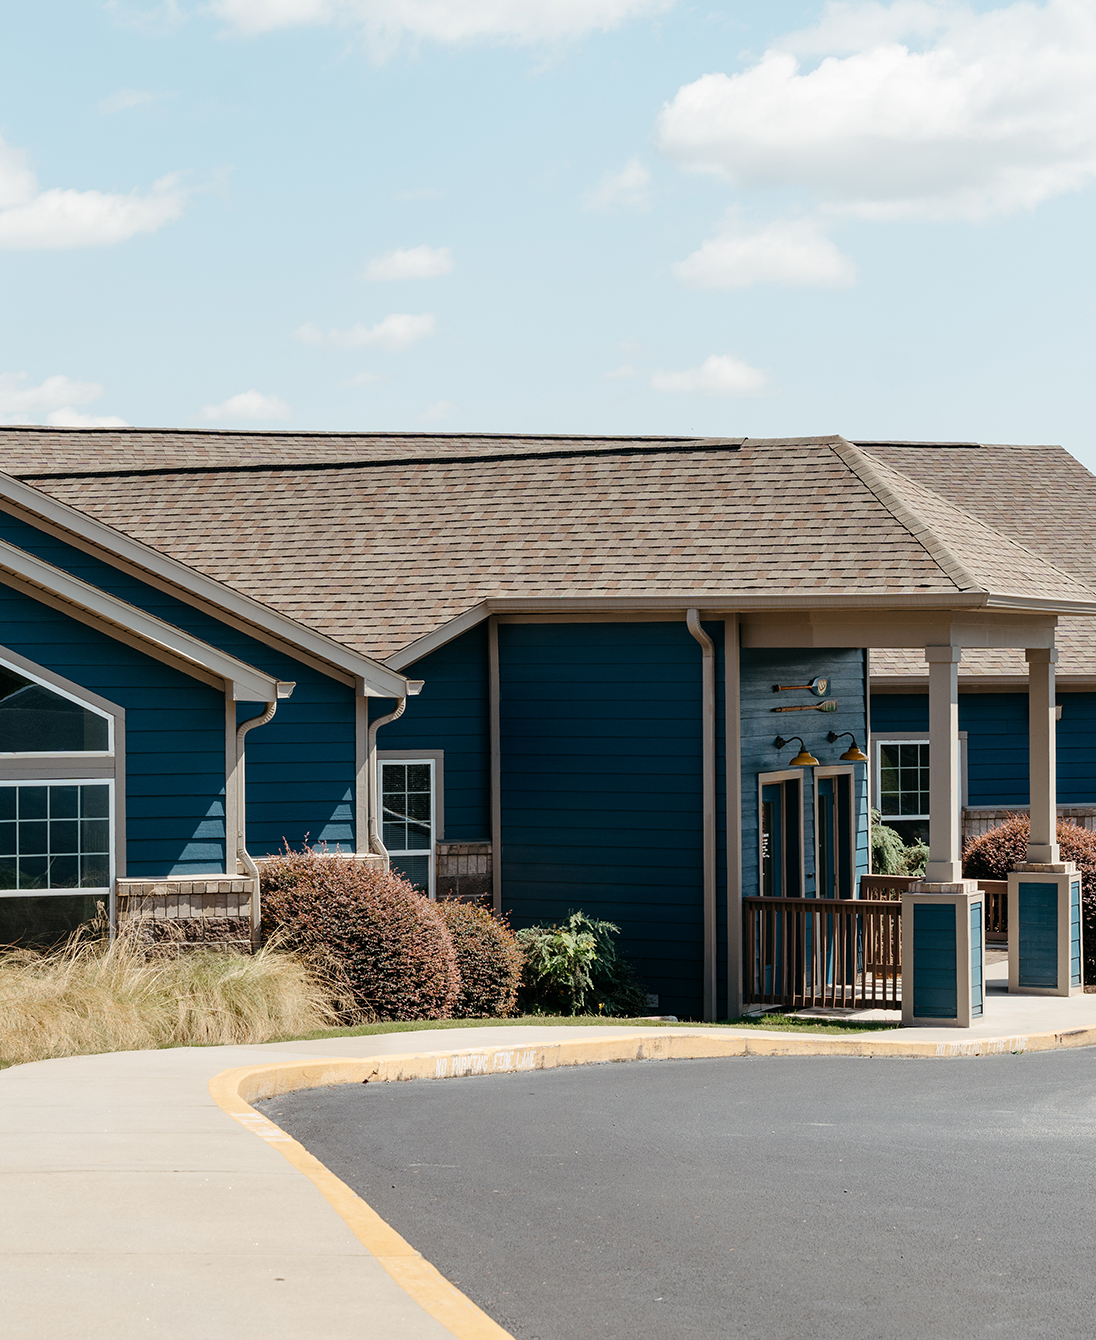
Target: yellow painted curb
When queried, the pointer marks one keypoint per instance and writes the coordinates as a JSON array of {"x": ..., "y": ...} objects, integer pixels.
[{"x": 236, "y": 1090}]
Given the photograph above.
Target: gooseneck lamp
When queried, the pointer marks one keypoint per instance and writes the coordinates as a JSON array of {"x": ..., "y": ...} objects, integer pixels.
[
  {"x": 854, "y": 754},
  {"x": 804, "y": 759}
]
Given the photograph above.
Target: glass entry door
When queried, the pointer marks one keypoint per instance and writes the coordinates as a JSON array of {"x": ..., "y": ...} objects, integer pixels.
[{"x": 781, "y": 841}]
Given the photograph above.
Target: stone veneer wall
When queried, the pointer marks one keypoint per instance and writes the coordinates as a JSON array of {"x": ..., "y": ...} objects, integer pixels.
[
  {"x": 464, "y": 871},
  {"x": 213, "y": 910},
  {"x": 980, "y": 819}
]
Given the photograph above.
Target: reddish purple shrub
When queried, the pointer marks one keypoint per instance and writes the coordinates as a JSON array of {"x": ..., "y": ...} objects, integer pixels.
[
  {"x": 994, "y": 854},
  {"x": 489, "y": 958},
  {"x": 387, "y": 944}
]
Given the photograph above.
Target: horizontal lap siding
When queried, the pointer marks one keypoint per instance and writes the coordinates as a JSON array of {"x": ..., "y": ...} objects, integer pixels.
[
  {"x": 300, "y": 765},
  {"x": 601, "y": 789},
  {"x": 451, "y": 714},
  {"x": 997, "y": 742},
  {"x": 174, "y": 736},
  {"x": 761, "y": 669}
]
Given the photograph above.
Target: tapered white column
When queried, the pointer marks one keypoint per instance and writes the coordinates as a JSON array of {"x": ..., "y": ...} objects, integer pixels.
[
  {"x": 944, "y": 866},
  {"x": 1042, "y": 763}
]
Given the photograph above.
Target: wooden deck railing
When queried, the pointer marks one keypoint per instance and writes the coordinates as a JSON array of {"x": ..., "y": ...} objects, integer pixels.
[
  {"x": 885, "y": 887},
  {"x": 822, "y": 952}
]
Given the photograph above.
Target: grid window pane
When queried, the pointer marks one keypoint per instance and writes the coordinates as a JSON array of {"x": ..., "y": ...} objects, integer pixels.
[
  {"x": 407, "y": 808},
  {"x": 56, "y": 837},
  {"x": 904, "y": 780}
]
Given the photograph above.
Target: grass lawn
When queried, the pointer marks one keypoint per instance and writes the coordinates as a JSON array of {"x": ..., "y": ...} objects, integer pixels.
[{"x": 773, "y": 1022}]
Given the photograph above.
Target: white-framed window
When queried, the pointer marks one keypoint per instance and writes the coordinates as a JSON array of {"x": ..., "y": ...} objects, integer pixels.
[
  {"x": 410, "y": 795},
  {"x": 56, "y": 837},
  {"x": 900, "y": 781},
  {"x": 62, "y": 774}
]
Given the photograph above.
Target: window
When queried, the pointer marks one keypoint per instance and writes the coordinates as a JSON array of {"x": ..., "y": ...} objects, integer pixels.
[
  {"x": 407, "y": 818},
  {"x": 55, "y": 837},
  {"x": 37, "y": 719},
  {"x": 902, "y": 787},
  {"x": 781, "y": 825}
]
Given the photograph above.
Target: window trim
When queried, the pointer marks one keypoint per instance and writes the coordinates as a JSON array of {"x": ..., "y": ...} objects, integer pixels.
[
  {"x": 436, "y": 758},
  {"x": 837, "y": 770},
  {"x": 765, "y": 779},
  {"x": 911, "y": 737},
  {"x": 106, "y": 892}
]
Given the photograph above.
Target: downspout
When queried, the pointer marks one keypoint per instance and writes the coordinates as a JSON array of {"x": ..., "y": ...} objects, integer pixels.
[
  {"x": 375, "y": 843},
  {"x": 692, "y": 620},
  {"x": 243, "y": 856}
]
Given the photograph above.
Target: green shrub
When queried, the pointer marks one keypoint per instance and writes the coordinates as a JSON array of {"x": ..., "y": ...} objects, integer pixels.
[
  {"x": 489, "y": 958},
  {"x": 888, "y": 851},
  {"x": 992, "y": 855},
  {"x": 384, "y": 943},
  {"x": 576, "y": 965}
]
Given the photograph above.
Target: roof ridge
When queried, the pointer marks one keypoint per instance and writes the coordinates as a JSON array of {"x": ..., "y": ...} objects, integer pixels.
[
  {"x": 637, "y": 447},
  {"x": 870, "y": 475},
  {"x": 865, "y": 468}
]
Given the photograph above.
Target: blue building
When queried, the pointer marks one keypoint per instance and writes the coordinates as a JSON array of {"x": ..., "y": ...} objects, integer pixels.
[{"x": 649, "y": 668}]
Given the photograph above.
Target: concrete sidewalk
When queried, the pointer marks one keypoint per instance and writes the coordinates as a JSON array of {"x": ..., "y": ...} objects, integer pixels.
[{"x": 134, "y": 1206}]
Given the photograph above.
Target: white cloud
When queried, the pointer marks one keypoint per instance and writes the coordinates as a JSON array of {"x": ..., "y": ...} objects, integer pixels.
[
  {"x": 249, "y": 405},
  {"x": 413, "y": 263},
  {"x": 387, "y": 22},
  {"x": 933, "y": 110},
  {"x": 398, "y": 331},
  {"x": 791, "y": 252},
  {"x": 619, "y": 374},
  {"x": 125, "y": 99},
  {"x": 718, "y": 375},
  {"x": 628, "y": 187},
  {"x": 72, "y": 418},
  {"x": 436, "y": 413},
  {"x": 59, "y": 218},
  {"x": 366, "y": 379},
  {"x": 20, "y": 403}
]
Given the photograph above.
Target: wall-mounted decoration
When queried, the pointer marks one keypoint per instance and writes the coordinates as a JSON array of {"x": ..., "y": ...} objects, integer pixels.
[
  {"x": 830, "y": 705},
  {"x": 804, "y": 759},
  {"x": 819, "y": 686}
]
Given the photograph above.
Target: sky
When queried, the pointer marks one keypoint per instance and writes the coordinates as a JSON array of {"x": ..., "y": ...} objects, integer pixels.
[{"x": 754, "y": 218}]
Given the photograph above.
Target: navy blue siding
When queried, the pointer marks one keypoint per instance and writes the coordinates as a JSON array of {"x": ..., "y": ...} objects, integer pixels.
[
  {"x": 1075, "y": 932},
  {"x": 300, "y": 780},
  {"x": 174, "y": 736},
  {"x": 935, "y": 987},
  {"x": 452, "y": 714},
  {"x": 997, "y": 742},
  {"x": 602, "y": 788},
  {"x": 976, "y": 984},
  {"x": 1037, "y": 907},
  {"x": 761, "y": 669}
]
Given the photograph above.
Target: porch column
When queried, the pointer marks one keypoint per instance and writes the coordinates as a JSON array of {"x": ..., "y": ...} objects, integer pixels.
[
  {"x": 944, "y": 865},
  {"x": 1042, "y": 765}
]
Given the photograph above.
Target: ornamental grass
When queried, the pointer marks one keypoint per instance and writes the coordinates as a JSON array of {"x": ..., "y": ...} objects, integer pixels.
[{"x": 91, "y": 995}]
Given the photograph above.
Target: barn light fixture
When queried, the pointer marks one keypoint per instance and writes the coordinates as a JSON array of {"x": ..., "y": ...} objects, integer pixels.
[
  {"x": 854, "y": 754},
  {"x": 804, "y": 759}
]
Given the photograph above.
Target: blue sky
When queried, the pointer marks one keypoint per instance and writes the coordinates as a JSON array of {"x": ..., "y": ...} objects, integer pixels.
[{"x": 594, "y": 216}]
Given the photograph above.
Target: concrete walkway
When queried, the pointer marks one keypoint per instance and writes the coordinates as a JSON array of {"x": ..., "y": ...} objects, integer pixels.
[{"x": 133, "y": 1205}]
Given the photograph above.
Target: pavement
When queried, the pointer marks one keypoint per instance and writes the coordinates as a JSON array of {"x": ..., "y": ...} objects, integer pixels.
[
  {"x": 134, "y": 1205},
  {"x": 763, "y": 1199}
]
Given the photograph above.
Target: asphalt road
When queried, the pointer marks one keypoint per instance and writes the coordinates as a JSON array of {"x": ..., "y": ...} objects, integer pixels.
[{"x": 768, "y": 1198}]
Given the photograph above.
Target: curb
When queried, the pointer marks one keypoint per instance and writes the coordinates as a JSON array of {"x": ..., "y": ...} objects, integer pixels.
[{"x": 235, "y": 1090}]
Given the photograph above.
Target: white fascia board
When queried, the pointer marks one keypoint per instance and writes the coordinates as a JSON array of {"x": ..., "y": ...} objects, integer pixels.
[
  {"x": 248, "y": 683},
  {"x": 196, "y": 589}
]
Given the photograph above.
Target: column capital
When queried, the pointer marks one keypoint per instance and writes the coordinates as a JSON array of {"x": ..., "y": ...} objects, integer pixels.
[
  {"x": 1041, "y": 655},
  {"x": 949, "y": 654}
]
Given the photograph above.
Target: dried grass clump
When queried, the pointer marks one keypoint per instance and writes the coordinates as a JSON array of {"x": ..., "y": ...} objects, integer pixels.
[
  {"x": 489, "y": 958},
  {"x": 91, "y": 995},
  {"x": 387, "y": 946},
  {"x": 993, "y": 854}
]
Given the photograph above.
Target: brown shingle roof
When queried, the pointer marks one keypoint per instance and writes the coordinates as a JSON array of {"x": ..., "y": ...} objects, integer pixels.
[{"x": 376, "y": 540}]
